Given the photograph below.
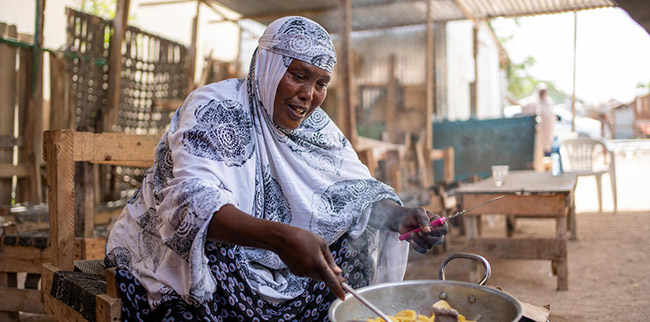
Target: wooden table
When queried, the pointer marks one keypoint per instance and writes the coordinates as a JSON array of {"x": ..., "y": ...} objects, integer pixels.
[{"x": 529, "y": 194}]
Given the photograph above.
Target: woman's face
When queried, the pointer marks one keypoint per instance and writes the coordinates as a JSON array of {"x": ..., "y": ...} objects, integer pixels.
[{"x": 301, "y": 90}]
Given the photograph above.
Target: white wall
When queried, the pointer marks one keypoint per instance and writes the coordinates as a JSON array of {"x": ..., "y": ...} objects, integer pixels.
[{"x": 460, "y": 72}]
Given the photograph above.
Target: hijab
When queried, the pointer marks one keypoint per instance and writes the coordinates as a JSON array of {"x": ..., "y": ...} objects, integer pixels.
[{"x": 222, "y": 147}]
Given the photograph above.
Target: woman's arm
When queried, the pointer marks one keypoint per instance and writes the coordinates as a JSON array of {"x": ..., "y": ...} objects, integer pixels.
[
  {"x": 387, "y": 214},
  {"x": 305, "y": 253}
]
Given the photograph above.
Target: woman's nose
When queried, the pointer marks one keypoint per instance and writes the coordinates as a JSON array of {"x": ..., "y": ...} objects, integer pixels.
[{"x": 306, "y": 92}]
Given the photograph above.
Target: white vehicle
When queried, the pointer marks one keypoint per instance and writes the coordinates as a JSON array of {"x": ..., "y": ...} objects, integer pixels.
[{"x": 585, "y": 126}]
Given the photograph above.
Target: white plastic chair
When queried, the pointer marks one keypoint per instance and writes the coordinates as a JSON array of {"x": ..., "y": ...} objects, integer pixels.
[{"x": 590, "y": 157}]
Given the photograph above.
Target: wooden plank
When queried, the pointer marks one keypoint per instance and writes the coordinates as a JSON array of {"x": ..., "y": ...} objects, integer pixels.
[
  {"x": 7, "y": 104},
  {"x": 107, "y": 309},
  {"x": 551, "y": 205},
  {"x": 95, "y": 147},
  {"x": 366, "y": 156},
  {"x": 109, "y": 118},
  {"x": 8, "y": 141},
  {"x": 25, "y": 186},
  {"x": 8, "y": 280},
  {"x": 449, "y": 170},
  {"x": 519, "y": 248},
  {"x": 391, "y": 100},
  {"x": 430, "y": 77},
  {"x": 60, "y": 113},
  {"x": 193, "y": 48},
  {"x": 393, "y": 169},
  {"x": 84, "y": 202},
  {"x": 23, "y": 258},
  {"x": 62, "y": 311},
  {"x": 60, "y": 176},
  {"x": 347, "y": 115},
  {"x": 9, "y": 170},
  {"x": 111, "y": 283},
  {"x": 47, "y": 273},
  {"x": 90, "y": 248},
  {"x": 24, "y": 300}
]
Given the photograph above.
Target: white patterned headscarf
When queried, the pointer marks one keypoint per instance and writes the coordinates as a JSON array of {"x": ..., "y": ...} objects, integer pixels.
[{"x": 222, "y": 148}]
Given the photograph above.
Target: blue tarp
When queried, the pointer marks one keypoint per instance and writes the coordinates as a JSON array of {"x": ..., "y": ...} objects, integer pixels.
[{"x": 478, "y": 144}]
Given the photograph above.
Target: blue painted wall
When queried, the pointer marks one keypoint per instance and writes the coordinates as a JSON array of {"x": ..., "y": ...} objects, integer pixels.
[{"x": 478, "y": 144}]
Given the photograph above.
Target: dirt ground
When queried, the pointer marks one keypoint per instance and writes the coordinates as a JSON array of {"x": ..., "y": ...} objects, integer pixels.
[{"x": 609, "y": 264}]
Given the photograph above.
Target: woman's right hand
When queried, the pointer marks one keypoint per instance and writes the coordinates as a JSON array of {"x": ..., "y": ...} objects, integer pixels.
[{"x": 307, "y": 254}]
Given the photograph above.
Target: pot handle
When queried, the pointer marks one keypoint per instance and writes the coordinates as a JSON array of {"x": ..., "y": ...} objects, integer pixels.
[{"x": 487, "y": 270}]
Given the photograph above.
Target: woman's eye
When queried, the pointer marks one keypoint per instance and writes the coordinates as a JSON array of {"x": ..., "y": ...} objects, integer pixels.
[
  {"x": 322, "y": 85},
  {"x": 299, "y": 76}
]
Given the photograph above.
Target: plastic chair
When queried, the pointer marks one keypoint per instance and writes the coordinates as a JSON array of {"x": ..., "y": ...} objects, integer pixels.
[{"x": 590, "y": 157}]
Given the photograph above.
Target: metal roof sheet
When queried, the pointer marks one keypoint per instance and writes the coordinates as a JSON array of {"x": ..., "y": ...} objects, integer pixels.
[{"x": 373, "y": 14}]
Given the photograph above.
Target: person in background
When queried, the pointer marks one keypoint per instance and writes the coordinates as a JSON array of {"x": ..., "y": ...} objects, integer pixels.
[
  {"x": 257, "y": 207},
  {"x": 540, "y": 104}
]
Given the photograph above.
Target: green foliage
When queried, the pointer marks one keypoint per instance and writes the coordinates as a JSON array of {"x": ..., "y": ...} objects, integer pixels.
[
  {"x": 520, "y": 82},
  {"x": 101, "y": 8}
]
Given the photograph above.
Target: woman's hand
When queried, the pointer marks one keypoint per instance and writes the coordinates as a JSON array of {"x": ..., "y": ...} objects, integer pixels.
[
  {"x": 387, "y": 214},
  {"x": 307, "y": 254}
]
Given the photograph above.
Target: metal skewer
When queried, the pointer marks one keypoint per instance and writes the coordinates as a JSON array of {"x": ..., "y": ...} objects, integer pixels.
[
  {"x": 365, "y": 302},
  {"x": 440, "y": 221}
]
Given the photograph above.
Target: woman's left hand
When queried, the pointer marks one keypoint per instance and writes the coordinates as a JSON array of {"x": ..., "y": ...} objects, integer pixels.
[
  {"x": 386, "y": 214},
  {"x": 427, "y": 237}
]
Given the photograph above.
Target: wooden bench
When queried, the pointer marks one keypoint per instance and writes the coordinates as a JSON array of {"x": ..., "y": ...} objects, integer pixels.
[{"x": 62, "y": 148}]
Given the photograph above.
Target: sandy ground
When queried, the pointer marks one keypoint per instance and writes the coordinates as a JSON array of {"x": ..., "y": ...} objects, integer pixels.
[{"x": 609, "y": 264}]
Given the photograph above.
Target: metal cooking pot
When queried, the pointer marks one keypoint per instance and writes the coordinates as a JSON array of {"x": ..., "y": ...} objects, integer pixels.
[{"x": 471, "y": 300}]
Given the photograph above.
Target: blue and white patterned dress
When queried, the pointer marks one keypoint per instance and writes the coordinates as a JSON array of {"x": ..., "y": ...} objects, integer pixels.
[{"x": 222, "y": 147}]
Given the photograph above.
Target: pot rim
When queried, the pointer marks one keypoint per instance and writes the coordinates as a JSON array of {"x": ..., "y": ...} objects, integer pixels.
[{"x": 490, "y": 290}]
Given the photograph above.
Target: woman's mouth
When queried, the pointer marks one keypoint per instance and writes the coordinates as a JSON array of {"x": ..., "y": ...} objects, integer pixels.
[{"x": 298, "y": 111}]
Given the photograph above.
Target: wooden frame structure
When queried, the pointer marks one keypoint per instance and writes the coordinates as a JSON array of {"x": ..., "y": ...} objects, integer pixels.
[{"x": 62, "y": 149}]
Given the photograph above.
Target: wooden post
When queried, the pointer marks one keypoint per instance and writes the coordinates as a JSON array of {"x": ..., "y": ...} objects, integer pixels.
[
  {"x": 7, "y": 104},
  {"x": 473, "y": 94},
  {"x": 391, "y": 101},
  {"x": 109, "y": 118},
  {"x": 347, "y": 117},
  {"x": 428, "y": 124},
  {"x": 60, "y": 177},
  {"x": 573, "y": 93},
  {"x": 192, "y": 49},
  {"x": 426, "y": 167}
]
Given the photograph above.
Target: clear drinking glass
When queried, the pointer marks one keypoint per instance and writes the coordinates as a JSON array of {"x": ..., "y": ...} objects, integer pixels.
[{"x": 499, "y": 174}]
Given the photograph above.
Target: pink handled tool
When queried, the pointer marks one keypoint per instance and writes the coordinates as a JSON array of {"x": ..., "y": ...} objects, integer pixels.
[{"x": 441, "y": 221}]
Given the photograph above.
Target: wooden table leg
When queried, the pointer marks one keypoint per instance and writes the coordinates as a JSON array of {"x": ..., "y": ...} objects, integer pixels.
[
  {"x": 511, "y": 225},
  {"x": 561, "y": 266}
]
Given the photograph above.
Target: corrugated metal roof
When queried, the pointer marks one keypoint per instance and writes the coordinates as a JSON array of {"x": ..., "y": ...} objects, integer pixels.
[{"x": 373, "y": 14}]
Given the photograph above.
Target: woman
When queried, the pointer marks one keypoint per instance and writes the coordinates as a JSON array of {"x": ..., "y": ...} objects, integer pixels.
[{"x": 257, "y": 207}]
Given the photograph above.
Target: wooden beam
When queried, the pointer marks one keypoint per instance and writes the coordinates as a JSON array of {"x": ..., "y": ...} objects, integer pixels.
[
  {"x": 551, "y": 205},
  {"x": 347, "y": 119},
  {"x": 573, "y": 90},
  {"x": 107, "y": 308},
  {"x": 473, "y": 86},
  {"x": 391, "y": 100},
  {"x": 23, "y": 258},
  {"x": 7, "y": 104},
  {"x": 305, "y": 12},
  {"x": 158, "y": 3},
  {"x": 192, "y": 49},
  {"x": 120, "y": 23},
  {"x": 60, "y": 176},
  {"x": 95, "y": 147},
  {"x": 467, "y": 12},
  {"x": 9, "y": 170},
  {"x": 24, "y": 300},
  {"x": 520, "y": 248},
  {"x": 428, "y": 124}
]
